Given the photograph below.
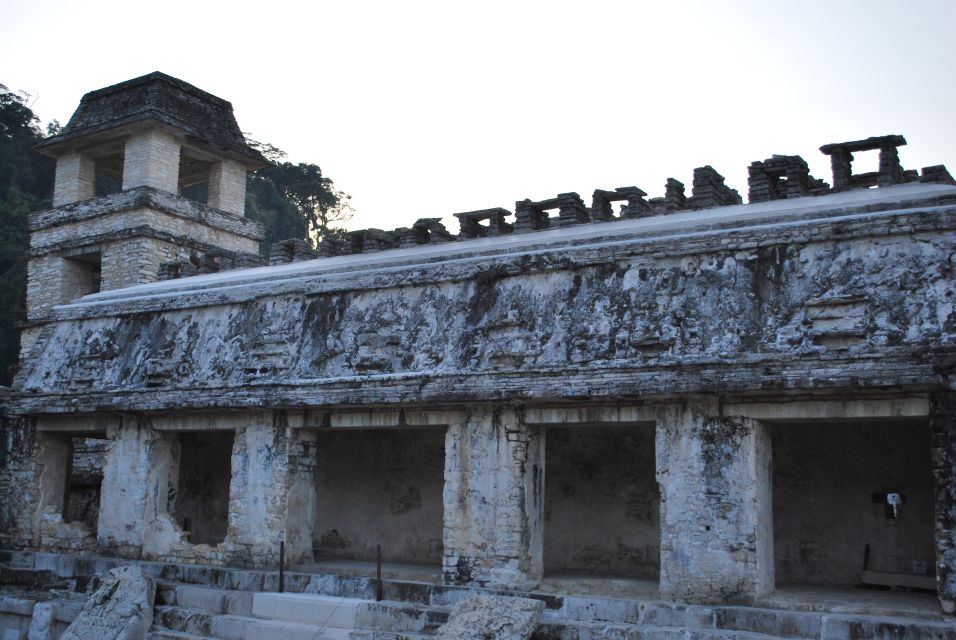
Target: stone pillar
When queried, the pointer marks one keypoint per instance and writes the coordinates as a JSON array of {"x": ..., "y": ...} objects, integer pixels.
[
  {"x": 494, "y": 500},
  {"x": 227, "y": 187},
  {"x": 133, "y": 485},
  {"x": 943, "y": 433},
  {"x": 716, "y": 504},
  {"x": 841, "y": 164},
  {"x": 162, "y": 537},
  {"x": 75, "y": 175},
  {"x": 272, "y": 493},
  {"x": 19, "y": 480},
  {"x": 152, "y": 160}
]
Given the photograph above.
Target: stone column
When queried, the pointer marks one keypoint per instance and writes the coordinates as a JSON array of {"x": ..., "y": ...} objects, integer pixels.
[
  {"x": 716, "y": 503},
  {"x": 943, "y": 433},
  {"x": 134, "y": 472},
  {"x": 152, "y": 160},
  {"x": 162, "y": 537},
  {"x": 74, "y": 181},
  {"x": 494, "y": 500},
  {"x": 272, "y": 492},
  {"x": 227, "y": 187},
  {"x": 19, "y": 481}
]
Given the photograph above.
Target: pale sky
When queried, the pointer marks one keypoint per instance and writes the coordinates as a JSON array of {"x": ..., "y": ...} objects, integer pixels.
[{"x": 422, "y": 109}]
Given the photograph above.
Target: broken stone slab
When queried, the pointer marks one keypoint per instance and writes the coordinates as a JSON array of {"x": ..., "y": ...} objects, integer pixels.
[
  {"x": 492, "y": 618},
  {"x": 121, "y": 609},
  {"x": 42, "y": 626}
]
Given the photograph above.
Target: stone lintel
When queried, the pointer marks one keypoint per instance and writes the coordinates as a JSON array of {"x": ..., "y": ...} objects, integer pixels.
[
  {"x": 78, "y": 424},
  {"x": 382, "y": 419},
  {"x": 222, "y": 420},
  {"x": 469, "y": 222},
  {"x": 832, "y": 409},
  {"x": 868, "y": 144},
  {"x": 590, "y": 415}
]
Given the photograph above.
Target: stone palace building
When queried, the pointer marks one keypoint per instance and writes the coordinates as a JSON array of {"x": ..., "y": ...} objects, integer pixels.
[{"x": 713, "y": 397}]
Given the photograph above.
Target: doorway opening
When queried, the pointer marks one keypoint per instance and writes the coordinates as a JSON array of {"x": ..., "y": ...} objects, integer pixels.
[
  {"x": 202, "y": 493},
  {"x": 379, "y": 487},
  {"x": 853, "y": 504},
  {"x": 602, "y": 502}
]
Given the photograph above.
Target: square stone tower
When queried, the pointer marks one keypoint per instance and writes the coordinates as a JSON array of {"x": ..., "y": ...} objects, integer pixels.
[{"x": 149, "y": 172}]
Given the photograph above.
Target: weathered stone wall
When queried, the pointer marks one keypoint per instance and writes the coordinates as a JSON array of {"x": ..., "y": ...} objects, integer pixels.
[
  {"x": 151, "y": 159},
  {"x": 227, "y": 186},
  {"x": 132, "y": 211},
  {"x": 716, "y": 511},
  {"x": 943, "y": 433},
  {"x": 674, "y": 314},
  {"x": 135, "y": 232},
  {"x": 17, "y": 486},
  {"x": 380, "y": 487},
  {"x": 494, "y": 499},
  {"x": 272, "y": 493},
  {"x": 74, "y": 181},
  {"x": 135, "y": 487},
  {"x": 826, "y": 477},
  {"x": 814, "y": 306},
  {"x": 602, "y": 503}
]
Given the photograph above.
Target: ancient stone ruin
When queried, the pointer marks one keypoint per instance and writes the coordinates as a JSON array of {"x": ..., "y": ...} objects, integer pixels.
[{"x": 673, "y": 413}]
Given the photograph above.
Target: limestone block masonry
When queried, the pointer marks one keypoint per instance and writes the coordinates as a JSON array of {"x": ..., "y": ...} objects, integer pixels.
[
  {"x": 728, "y": 330},
  {"x": 152, "y": 160},
  {"x": 227, "y": 187},
  {"x": 716, "y": 511},
  {"x": 144, "y": 131},
  {"x": 494, "y": 500},
  {"x": 74, "y": 181}
]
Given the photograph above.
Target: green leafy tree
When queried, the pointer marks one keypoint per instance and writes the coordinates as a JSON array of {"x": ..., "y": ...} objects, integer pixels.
[
  {"x": 26, "y": 183},
  {"x": 294, "y": 200}
]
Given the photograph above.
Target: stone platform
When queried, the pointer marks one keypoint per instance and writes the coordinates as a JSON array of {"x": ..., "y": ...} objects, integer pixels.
[{"x": 198, "y": 601}]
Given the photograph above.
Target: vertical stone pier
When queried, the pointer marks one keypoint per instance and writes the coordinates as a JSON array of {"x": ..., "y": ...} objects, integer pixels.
[
  {"x": 130, "y": 464},
  {"x": 716, "y": 503},
  {"x": 494, "y": 500},
  {"x": 943, "y": 434},
  {"x": 272, "y": 492}
]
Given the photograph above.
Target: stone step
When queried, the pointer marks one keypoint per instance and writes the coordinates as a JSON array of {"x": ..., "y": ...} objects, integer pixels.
[
  {"x": 195, "y": 622},
  {"x": 203, "y": 624},
  {"x": 401, "y": 617},
  {"x": 157, "y": 633},
  {"x": 209, "y": 599},
  {"x": 567, "y": 630},
  {"x": 229, "y": 627},
  {"x": 363, "y": 634},
  {"x": 880, "y": 628},
  {"x": 327, "y": 611},
  {"x": 774, "y": 622},
  {"x": 629, "y": 611}
]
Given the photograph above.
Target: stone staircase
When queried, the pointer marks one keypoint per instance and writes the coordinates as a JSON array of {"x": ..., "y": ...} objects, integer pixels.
[
  {"x": 195, "y": 601},
  {"x": 186, "y": 611}
]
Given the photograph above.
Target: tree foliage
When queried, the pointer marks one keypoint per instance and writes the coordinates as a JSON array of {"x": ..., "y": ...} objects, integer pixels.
[
  {"x": 294, "y": 200},
  {"x": 26, "y": 183}
]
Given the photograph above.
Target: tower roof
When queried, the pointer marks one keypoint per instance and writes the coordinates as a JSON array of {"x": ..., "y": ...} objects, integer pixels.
[{"x": 157, "y": 97}]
